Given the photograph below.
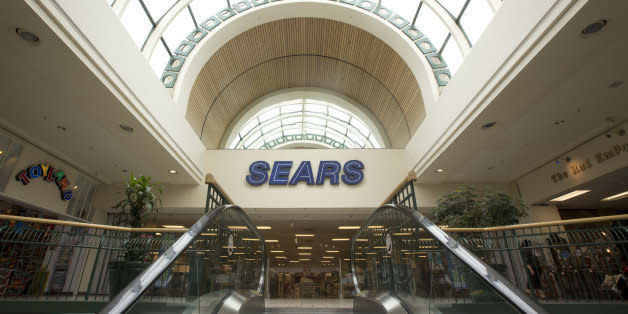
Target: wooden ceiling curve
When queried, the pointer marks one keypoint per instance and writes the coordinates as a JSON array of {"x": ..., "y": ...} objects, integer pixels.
[{"x": 305, "y": 52}]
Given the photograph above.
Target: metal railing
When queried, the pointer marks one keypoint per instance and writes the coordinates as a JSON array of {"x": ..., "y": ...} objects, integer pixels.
[{"x": 397, "y": 250}]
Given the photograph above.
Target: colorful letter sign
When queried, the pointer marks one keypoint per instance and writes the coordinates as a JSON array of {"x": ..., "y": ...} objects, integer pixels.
[
  {"x": 352, "y": 173},
  {"x": 49, "y": 174}
]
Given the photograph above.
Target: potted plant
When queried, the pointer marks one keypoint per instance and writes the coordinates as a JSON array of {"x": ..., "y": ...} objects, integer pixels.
[
  {"x": 469, "y": 207},
  {"x": 140, "y": 201}
]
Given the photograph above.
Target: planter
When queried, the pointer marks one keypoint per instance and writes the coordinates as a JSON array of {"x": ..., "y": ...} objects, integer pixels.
[{"x": 122, "y": 273}]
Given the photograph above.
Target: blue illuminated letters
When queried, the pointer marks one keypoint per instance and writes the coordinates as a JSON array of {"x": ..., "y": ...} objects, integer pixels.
[{"x": 351, "y": 173}]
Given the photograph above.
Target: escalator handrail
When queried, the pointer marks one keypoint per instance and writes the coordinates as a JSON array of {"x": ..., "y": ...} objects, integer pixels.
[
  {"x": 124, "y": 300},
  {"x": 513, "y": 295}
]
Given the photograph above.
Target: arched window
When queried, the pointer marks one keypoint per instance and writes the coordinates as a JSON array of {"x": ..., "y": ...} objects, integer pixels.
[{"x": 312, "y": 122}]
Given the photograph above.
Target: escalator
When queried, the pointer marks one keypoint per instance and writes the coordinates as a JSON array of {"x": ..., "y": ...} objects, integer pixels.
[
  {"x": 400, "y": 261},
  {"x": 217, "y": 266}
]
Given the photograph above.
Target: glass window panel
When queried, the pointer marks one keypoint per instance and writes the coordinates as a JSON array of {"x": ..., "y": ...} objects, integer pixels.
[
  {"x": 360, "y": 126},
  {"x": 336, "y": 137},
  {"x": 452, "y": 55},
  {"x": 203, "y": 9},
  {"x": 453, "y": 6},
  {"x": 314, "y": 120},
  {"x": 315, "y": 108},
  {"x": 406, "y": 8},
  {"x": 258, "y": 144},
  {"x": 178, "y": 29},
  {"x": 269, "y": 114},
  {"x": 293, "y": 131},
  {"x": 316, "y": 102},
  {"x": 273, "y": 136},
  {"x": 291, "y": 108},
  {"x": 235, "y": 142},
  {"x": 248, "y": 127},
  {"x": 374, "y": 141},
  {"x": 291, "y": 120},
  {"x": 252, "y": 139},
  {"x": 157, "y": 8},
  {"x": 431, "y": 25},
  {"x": 314, "y": 131},
  {"x": 338, "y": 114},
  {"x": 354, "y": 137},
  {"x": 268, "y": 128},
  {"x": 159, "y": 59},
  {"x": 339, "y": 128},
  {"x": 475, "y": 19},
  {"x": 136, "y": 23}
]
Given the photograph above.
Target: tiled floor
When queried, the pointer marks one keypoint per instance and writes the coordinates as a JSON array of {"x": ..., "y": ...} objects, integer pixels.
[{"x": 309, "y": 306}]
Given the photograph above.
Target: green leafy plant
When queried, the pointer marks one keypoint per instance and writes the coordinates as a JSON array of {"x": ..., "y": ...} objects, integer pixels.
[
  {"x": 141, "y": 201},
  {"x": 469, "y": 207}
]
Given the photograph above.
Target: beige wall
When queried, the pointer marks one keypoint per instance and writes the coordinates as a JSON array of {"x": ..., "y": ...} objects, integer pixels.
[{"x": 39, "y": 192}]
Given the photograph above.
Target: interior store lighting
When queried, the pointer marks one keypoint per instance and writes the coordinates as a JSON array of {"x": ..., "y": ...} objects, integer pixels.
[
  {"x": 332, "y": 251},
  {"x": 569, "y": 195},
  {"x": 264, "y": 227},
  {"x": 615, "y": 197},
  {"x": 340, "y": 239},
  {"x": 304, "y": 248},
  {"x": 348, "y": 227},
  {"x": 277, "y": 251},
  {"x": 375, "y": 227},
  {"x": 303, "y": 235},
  {"x": 305, "y": 253},
  {"x": 271, "y": 241}
]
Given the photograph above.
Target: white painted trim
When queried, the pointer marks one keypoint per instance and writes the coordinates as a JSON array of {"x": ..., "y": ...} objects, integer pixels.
[
  {"x": 352, "y": 15},
  {"x": 119, "y": 7}
]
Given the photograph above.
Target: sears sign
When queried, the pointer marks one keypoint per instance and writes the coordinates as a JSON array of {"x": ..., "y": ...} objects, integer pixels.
[{"x": 281, "y": 174}]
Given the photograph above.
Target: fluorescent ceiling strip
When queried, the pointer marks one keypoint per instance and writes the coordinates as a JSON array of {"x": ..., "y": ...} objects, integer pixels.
[
  {"x": 615, "y": 197},
  {"x": 569, "y": 195}
]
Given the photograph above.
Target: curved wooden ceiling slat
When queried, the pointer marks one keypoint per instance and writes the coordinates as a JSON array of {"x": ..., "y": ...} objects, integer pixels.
[{"x": 304, "y": 52}]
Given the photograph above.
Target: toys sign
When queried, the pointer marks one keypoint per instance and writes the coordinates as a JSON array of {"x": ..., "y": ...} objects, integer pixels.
[{"x": 49, "y": 174}]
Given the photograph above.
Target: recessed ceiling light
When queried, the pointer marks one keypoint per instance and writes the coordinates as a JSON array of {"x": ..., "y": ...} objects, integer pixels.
[
  {"x": 280, "y": 257},
  {"x": 277, "y": 251},
  {"x": 303, "y": 235},
  {"x": 594, "y": 27},
  {"x": 27, "y": 36},
  {"x": 615, "y": 84},
  {"x": 305, "y": 253},
  {"x": 264, "y": 227},
  {"x": 488, "y": 125},
  {"x": 271, "y": 241},
  {"x": 439, "y": 170},
  {"x": 173, "y": 226},
  {"x": 304, "y": 248},
  {"x": 75, "y": 187},
  {"x": 340, "y": 239},
  {"x": 304, "y": 259},
  {"x": 615, "y": 197},
  {"x": 62, "y": 128},
  {"x": 126, "y": 128},
  {"x": 332, "y": 251},
  {"x": 569, "y": 195},
  {"x": 375, "y": 227},
  {"x": 348, "y": 227},
  {"x": 172, "y": 171}
]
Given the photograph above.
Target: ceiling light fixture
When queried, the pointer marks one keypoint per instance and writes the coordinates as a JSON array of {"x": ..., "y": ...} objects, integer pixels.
[
  {"x": 27, "y": 36},
  {"x": 615, "y": 197},
  {"x": 62, "y": 128},
  {"x": 126, "y": 128},
  {"x": 271, "y": 241},
  {"x": 277, "y": 251},
  {"x": 569, "y": 195},
  {"x": 238, "y": 227},
  {"x": 488, "y": 125},
  {"x": 298, "y": 235},
  {"x": 1, "y": 152},
  {"x": 304, "y": 259},
  {"x": 340, "y": 239},
  {"x": 304, "y": 248},
  {"x": 172, "y": 171},
  {"x": 594, "y": 27},
  {"x": 75, "y": 187},
  {"x": 328, "y": 257},
  {"x": 173, "y": 226},
  {"x": 305, "y": 253},
  {"x": 264, "y": 227},
  {"x": 439, "y": 170},
  {"x": 361, "y": 240},
  {"x": 280, "y": 257},
  {"x": 332, "y": 251},
  {"x": 348, "y": 227},
  {"x": 376, "y": 227}
]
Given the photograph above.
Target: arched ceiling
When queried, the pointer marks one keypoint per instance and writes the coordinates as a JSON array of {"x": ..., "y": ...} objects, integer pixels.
[{"x": 305, "y": 52}]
